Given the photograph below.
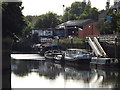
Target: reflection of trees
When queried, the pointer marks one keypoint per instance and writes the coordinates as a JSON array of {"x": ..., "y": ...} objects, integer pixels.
[
  {"x": 20, "y": 68},
  {"x": 49, "y": 70},
  {"x": 98, "y": 77},
  {"x": 23, "y": 68}
]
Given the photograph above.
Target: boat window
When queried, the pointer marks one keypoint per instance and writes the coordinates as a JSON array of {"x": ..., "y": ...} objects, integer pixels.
[
  {"x": 55, "y": 51},
  {"x": 108, "y": 61},
  {"x": 74, "y": 52},
  {"x": 102, "y": 61},
  {"x": 84, "y": 52},
  {"x": 93, "y": 60},
  {"x": 78, "y": 52}
]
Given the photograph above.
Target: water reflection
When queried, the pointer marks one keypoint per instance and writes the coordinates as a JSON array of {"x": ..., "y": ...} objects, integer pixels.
[{"x": 53, "y": 75}]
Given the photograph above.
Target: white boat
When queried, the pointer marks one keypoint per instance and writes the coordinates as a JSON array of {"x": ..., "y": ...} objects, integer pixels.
[
  {"x": 104, "y": 62},
  {"x": 77, "y": 54},
  {"x": 53, "y": 54}
]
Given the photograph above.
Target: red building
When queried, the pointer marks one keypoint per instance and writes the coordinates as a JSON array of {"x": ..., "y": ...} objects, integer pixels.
[
  {"x": 88, "y": 29},
  {"x": 79, "y": 28}
]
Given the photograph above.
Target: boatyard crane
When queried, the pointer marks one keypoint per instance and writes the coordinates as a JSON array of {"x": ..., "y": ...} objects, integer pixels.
[{"x": 96, "y": 47}]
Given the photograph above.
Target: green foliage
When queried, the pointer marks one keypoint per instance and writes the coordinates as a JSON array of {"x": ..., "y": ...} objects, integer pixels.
[
  {"x": 80, "y": 10},
  {"x": 76, "y": 8},
  {"x": 115, "y": 24},
  {"x": 110, "y": 27},
  {"x": 30, "y": 21},
  {"x": 73, "y": 12},
  {"x": 94, "y": 13},
  {"x": 12, "y": 18},
  {"x": 48, "y": 20},
  {"x": 76, "y": 40}
]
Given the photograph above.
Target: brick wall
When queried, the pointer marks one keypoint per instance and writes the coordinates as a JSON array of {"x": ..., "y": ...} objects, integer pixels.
[{"x": 88, "y": 29}]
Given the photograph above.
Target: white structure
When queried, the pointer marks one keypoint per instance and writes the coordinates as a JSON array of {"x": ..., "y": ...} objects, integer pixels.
[
  {"x": 43, "y": 32},
  {"x": 43, "y": 40},
  {"x": 97, "y": 48},
  {"x": 43, "y": 35}
]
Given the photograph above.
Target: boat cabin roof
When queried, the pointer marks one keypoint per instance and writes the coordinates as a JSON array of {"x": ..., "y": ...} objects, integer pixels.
[
  {"x": 77, "y": 50},
  {"x": 84, "y": 50}
]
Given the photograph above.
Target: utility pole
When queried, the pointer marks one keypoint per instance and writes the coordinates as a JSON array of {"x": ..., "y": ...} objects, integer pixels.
[
  {"x": 63, "y": 9},
  {"x": 107, "y": 4},
  {"x": 89, "y": 2}
]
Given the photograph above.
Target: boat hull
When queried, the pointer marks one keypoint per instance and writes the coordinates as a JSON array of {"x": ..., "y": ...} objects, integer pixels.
[
  {"x": 79, "y": 61},
  {"x": 104, "y": 63}
]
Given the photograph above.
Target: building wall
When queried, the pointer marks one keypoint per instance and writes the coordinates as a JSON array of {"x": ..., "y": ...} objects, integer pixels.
[
  {"x": 88, "y": 29},
  {"x": 43, "y": 32},
  {"x": 58, "y": 32}
]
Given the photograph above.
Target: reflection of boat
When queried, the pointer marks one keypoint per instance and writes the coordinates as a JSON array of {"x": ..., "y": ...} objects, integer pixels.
[
  {"x": 53, "y": 54},
  {"x": 77, "y": 55},
  {"x": 96, "y": 79}
]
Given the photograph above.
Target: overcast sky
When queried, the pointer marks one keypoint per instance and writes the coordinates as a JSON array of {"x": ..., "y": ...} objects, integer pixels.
[{"x": 38, "y": 7}]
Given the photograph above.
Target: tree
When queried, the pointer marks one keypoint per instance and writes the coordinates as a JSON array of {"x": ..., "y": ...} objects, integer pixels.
[
  {"x": 94, "y": 13},
  {"x": 12, "y": 18},
  {"x": 80, "y": 10},
  {"x": 115, "y": 22},
  {"x": 12, "y": 22},
  {"x": 66, "y": 15},
  {"x": 76, "y": 8},
  {"x": 86, "y": 13},
  {"x": 73, "y": 12},
  {"x": 110, "y": 27},
  {"x": 30, "y": 21},
  {"x": 48, "y": 20}
]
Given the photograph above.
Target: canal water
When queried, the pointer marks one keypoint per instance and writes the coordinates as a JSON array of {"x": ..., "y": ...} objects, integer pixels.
[{"x": 34, "y": 73}]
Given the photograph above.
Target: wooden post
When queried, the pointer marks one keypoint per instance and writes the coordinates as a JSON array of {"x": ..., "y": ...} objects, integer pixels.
[{"x": 6, "y": 63}]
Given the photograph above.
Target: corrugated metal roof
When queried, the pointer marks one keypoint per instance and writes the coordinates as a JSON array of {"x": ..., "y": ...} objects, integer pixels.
[{"x": 78, "y": 23}]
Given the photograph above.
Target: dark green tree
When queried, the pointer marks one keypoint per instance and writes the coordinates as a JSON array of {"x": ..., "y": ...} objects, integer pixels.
[
  {"x": 30, "y": 21},
  {"x": 80, "y": 10},
  {"x": 76, "y": 8},
  {"x": 74, "y": 12},
  {"x": 115, "y": 23},
  {"x": 12, "y": 18},
  {"x": 66, "y": 15},
  {"x": 12, "y": 22},
  {"x": 87, "y": 12},
  {"x": 110, "y": 27},
  {"x": 94, "y": 13},
  {"x": 48, "y": 20}
]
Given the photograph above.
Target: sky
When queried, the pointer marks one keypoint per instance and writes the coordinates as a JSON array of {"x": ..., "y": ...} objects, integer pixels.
[{"x": 39, "y": 7}]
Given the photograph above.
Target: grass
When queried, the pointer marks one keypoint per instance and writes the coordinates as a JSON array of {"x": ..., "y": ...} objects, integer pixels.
[
  {"x": 75, "y": 40},
  {"x": 68, "y": 43}
]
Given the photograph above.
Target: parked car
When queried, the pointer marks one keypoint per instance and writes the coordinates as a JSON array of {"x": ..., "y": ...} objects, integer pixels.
[{"x": 36, "y": 47}]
